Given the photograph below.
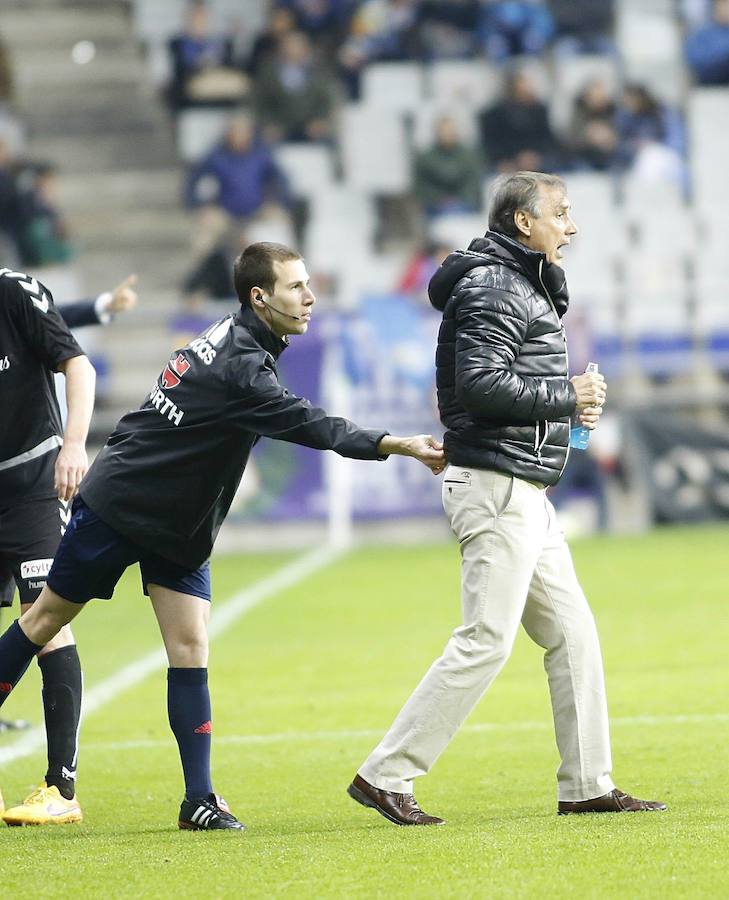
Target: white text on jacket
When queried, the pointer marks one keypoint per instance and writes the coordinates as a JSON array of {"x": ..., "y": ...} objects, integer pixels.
[{"x": 165, "y": 406}]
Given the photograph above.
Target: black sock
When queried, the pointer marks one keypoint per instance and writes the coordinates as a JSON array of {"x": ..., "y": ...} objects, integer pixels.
[
  {"x": 62, "y": 686},
  {"x": 188, "y": 707},
  {"x": 16, "y": 652}
]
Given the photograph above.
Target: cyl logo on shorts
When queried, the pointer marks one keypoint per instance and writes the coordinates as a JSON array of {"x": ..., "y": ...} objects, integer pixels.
[{"x": 35, "y": 568}]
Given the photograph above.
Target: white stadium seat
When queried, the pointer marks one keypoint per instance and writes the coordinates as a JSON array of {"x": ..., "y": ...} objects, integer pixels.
[
  {"x": 470, "y": 84},
  {"x": 198, "y": 130},
  {"x": 309, "y": 167},
  {"x": 393, "y": 86},
  {"x": 374, "y": 149}
]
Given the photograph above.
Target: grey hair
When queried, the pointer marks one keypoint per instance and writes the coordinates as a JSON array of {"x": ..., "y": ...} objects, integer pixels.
[{"x": 520, "y": 190}]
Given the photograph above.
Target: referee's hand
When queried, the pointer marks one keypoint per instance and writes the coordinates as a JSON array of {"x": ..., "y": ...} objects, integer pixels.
[{"x": 71, "y": 466}]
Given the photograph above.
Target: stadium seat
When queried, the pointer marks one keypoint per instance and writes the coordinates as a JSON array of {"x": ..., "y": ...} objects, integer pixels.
[
  {"x": 650, "y": 43},
  {"x": 310, "y": 167},
  {"x": 457, "y": 230},
  {"x": 709, "y": 147},
  {"x": 602, "y": 236},
  {"x": 464, "y": 84},
  {"x": 593, "y": 194},
  {"x": 341, "y": 229},
  {"x": 397, "y": 86},
  {"x": 374, "y": 149},
  {"x": 158, "y": 20},
  {"x": 198, "y": 130},
  {"x": 656, "y": 213},
  {"x": 656, "y": 315}
]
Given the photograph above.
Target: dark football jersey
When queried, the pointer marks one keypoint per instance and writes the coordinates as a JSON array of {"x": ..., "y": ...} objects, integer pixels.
[{"x": 34, "y": 341}]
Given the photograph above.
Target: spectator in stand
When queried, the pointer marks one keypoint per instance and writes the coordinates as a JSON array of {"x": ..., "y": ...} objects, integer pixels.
[
  {"x": 280, "y": 22},
  {"x": 448, "y": 173},
  {"x": 592, "y": 138},
  {"x": 651, "y": 135},
  {"x": 233, "y": 184},
  {"x": 203, "y": 65},
  {"x": 44, "y": 233},
  {"x": 380, "y": 31},
  {"x": 293, "y": 93},
  {"x": 510, "y": 28},
  {"x": 448, "y": 28},
  {"x": 707, "y": 47},
  {"x": 584, "y": 27},
  {"x": 515, "y": 132}
]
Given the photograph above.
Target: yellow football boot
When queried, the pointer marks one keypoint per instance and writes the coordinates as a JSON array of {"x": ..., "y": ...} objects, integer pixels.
[
  {"x": 45, "y": 806},
  {"x": 2, "y": 804}
]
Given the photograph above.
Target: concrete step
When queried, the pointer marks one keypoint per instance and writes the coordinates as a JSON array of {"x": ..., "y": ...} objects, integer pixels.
[
  {"x": 149, "y": 148},
  {"x": 121, "y": 190},
  {"x": 27, "y": 24},
  {"x": 146, "y": 225},
  {"x": 95, "y": 110},
  {"x": 36, "y": 68},
  {"x": 158, "y": 272}
]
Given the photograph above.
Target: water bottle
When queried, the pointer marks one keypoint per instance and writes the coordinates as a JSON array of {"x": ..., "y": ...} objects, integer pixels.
[{"x": 580, "y": 434}]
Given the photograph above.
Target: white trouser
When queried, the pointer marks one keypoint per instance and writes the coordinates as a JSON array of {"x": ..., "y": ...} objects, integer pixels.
[{"x": 516, "y": 567}]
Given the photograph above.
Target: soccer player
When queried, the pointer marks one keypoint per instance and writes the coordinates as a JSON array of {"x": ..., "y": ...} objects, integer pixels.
[
  {"x": 41, "y": 466},
  {"x": 31, "y": 525},
  {"x": 159, "y": 490}
]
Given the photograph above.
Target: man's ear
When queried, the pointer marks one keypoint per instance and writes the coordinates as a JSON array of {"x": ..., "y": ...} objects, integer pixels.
[{"x": 523, "y": 222}]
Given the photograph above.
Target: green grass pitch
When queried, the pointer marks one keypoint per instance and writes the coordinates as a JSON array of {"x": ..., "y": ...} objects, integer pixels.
[{"x": 305, "y": 684}]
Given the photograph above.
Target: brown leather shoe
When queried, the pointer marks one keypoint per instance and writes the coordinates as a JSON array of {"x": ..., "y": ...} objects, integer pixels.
[
  {"x": 616, "y": 801},
  {"x": 402, "y": 809}
]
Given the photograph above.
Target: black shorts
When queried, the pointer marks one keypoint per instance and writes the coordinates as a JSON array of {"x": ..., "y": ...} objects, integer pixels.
[{"x": 29, "y": 536}]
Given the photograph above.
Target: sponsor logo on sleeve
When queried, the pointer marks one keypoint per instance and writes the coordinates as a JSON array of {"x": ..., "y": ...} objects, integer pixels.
[{"x": 35, "y": 568}]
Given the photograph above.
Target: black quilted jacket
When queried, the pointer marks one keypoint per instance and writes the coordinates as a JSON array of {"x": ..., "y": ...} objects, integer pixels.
[{"x": 501, "y": 364}]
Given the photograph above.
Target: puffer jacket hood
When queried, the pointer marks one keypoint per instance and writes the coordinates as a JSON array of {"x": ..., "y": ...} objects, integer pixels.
[
  {"x": 498, "y": 249},
  {"x": 504, "y": 393}
]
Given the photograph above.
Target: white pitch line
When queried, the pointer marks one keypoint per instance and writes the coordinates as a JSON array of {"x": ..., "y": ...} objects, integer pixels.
[
  {"x": 493, "y": 727},
  {"x": 222, "y": 617}
]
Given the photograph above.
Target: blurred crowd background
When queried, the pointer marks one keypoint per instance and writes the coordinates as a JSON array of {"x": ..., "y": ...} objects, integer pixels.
[{"x": 161, "y": 136}]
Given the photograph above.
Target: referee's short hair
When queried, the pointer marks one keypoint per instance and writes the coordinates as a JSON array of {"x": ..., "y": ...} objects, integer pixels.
[
  {"x": 520, "y": 190},
  {"x": 254, "y": 268}
]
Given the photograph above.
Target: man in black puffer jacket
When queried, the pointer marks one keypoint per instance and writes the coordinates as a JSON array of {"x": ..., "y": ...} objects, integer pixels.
[{"x": 506, "y": 401}]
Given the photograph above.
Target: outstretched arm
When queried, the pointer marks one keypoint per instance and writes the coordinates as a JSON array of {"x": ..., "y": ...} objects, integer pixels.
[
  {"x": 422, "y": 447},
  {"x": 72, "y": 462},
  {"x": 100, "y": 311}
]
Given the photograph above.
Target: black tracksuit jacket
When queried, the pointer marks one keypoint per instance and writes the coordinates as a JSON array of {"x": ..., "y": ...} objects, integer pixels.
[
  {"x": 501, "y": 364},
  {"x": 169, "y": 471}
]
